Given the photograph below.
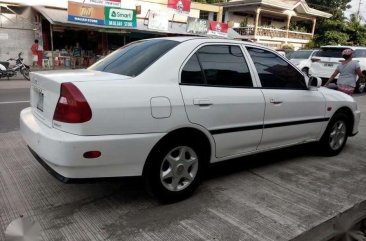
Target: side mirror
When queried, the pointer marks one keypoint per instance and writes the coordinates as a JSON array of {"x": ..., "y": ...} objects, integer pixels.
[{"x": 315, "y": 82}]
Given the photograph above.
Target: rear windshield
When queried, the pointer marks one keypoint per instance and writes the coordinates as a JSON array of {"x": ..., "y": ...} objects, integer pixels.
[
  {"x": 133, "y": 59},
  {"x": 299, "y": 55},
  {"x": 330, "y": 52}
]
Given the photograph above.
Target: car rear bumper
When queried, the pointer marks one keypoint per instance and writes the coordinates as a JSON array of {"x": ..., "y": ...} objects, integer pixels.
[{"x": 61, "y": 152}]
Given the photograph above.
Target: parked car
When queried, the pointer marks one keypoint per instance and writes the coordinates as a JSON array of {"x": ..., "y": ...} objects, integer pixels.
[
  {"x": 166, "y": 108},
  {"x": 326, "y": 60},
  {"x": 302, "y": 59}
]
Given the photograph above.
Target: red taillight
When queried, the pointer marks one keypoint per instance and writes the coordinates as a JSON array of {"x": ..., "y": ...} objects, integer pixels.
[
  {"x": 315, "y": 60},
  {"x": 72, "y": 107}
]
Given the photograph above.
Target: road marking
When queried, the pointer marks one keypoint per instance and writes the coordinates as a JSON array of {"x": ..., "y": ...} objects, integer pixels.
[{"x": 14, "y": 102}]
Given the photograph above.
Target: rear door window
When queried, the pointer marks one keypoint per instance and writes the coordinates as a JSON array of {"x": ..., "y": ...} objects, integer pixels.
[
  {"x": 192, "y": 72},
  {"x": 134, "y": 58},
  {"x": 217, "y": 65},
  {"x": 225, "y": 65}
]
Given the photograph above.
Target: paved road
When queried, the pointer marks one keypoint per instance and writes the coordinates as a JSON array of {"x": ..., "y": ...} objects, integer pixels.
[
  {"x": 12, "y": 101},
  {"x": 273, "y": 196}
]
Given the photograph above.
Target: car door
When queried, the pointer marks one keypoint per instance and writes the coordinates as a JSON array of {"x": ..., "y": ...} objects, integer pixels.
[
  {"x": 293, "y": 113},
  {"x": 218, "y": 91}
]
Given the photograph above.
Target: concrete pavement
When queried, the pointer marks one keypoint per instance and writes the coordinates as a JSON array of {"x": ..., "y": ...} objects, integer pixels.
[{"x": 273, "y": 196}]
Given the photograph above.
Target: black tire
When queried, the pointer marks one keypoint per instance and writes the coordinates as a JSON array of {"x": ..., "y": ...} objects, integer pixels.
[
  {"x": 158, "y": 163},
  {"x": 335, "y": 136},
  {"x": 25, "y": 73},
  {"x": 360, "y": 86}
]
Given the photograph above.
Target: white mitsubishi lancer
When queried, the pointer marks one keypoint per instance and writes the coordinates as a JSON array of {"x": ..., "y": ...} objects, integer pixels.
[{"x": 166, "y": 108}]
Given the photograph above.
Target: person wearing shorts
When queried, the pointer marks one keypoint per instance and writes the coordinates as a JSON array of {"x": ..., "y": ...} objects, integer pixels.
[
  {"x": 34, "y": 50},
  {"x": 76, "y": 54},
  {"x": 348, "y": 71}
]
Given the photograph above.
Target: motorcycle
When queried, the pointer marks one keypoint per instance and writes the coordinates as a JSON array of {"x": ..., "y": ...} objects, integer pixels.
[{"x": 6, "y": 71}]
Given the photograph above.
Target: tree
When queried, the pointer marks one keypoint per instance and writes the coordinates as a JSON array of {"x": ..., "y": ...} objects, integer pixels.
[
  {"x": 332, "y": 30},
  {"x": 356, "y": 31}
]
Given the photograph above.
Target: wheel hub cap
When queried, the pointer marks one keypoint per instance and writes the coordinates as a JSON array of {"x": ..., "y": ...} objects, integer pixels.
[
  {"x": 179, "y": 168},
  {"x": 337, "y": 135}
]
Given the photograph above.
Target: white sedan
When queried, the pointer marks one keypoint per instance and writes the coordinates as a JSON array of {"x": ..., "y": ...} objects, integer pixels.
[{"x": 165, "y": 108}]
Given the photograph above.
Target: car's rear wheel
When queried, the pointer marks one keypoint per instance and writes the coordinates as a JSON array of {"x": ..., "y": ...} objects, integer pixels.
[
  {"x": 174, "y": 169},
  {"x": 335, "y": 136}
]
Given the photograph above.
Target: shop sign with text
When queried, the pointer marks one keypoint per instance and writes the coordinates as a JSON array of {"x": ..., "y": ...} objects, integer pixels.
[
  {"x": 85, "y": 13},
  {"x": 197, "y": 26},
  {"x": 158, "y": 21},
  {"x": 182, "y": 7},
  {"x": 217, "y": 28},
  {"x": 120, "y": 17}
]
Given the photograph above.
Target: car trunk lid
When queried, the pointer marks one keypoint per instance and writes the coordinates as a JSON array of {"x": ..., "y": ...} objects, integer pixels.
[{"x": 45, "y": 88}]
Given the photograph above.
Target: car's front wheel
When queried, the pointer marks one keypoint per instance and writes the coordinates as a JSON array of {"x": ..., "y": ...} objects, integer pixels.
[
  {"x": 335, "y": 136},
  {"x": 174, "y": 170}
]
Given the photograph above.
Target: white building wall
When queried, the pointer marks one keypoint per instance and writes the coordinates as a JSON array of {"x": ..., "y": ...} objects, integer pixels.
[{"x": 16, "y": 35}]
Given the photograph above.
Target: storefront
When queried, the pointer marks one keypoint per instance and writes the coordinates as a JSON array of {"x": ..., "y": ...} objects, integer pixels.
[{"x": 60, "y": 36}]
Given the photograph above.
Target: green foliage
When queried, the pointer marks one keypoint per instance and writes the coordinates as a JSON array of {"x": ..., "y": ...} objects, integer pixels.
[
  {"x": 356, "y": 31},
  {"x": 288, "y": 46},
  {"x": 300, "y": 26},
  {"x": 337, "y": 30},
  {"x": 335, "y": 38}
]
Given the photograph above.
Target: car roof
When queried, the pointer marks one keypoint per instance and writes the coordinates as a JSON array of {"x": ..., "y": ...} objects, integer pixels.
[
  {"x": 306, "y": 50},
  {"x": 213, "y": 40},
  {"x": 343, "y": 46}
]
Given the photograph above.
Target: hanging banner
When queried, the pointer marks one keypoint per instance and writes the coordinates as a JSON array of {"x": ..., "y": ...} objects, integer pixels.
[
  {"x": 120, "y": 17},
  {"x": 158, "y": 21},
  {"x": 197, "y": 26},
  {"x": 108, "y": 3},
  {"x": 218, "y": 29},
  {"x": 84, "y": 13},
  {"x": 112, "y": 3},
  {"x": 182, "y": 7}
]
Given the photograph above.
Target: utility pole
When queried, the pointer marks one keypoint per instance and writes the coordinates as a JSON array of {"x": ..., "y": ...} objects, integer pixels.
[{"x": 358, "y": 15}]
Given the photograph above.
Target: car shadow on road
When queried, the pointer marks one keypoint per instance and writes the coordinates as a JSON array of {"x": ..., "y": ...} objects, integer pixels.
[{"x": 269, "y": 158}]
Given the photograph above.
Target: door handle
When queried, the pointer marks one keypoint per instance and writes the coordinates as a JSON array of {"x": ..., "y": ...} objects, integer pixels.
[
  {"x": 275, "y": 102},
  {"x": 202, "y": 102}
]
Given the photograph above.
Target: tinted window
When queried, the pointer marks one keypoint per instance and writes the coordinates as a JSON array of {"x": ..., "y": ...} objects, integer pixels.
[
  {"x": 224, "y": 65},
  {"x": 274, "y": 72},
  {"x": 192, "y": 72},
  {"x": 134, "y": 58},
  {"x": 299, "y": 55},
  {"x": 330, "y": 52},
  {"x": 360, "y": 53}
]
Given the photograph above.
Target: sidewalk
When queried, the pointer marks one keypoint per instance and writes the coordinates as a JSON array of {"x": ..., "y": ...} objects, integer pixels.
[{"x": 18, "y": 81}]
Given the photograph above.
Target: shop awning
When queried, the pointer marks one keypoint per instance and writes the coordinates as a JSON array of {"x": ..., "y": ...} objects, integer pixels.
[{"x": 58, "y": 16}]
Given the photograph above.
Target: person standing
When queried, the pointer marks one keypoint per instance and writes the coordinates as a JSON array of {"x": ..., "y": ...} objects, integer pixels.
[
  {"x": 34, "y": 50},
  {"x": 348, "y": 71},
  {"x": 76, "y": 53}
]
